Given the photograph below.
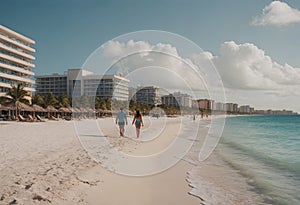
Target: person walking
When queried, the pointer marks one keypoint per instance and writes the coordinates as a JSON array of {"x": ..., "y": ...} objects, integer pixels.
[
  {"x": 121, "y": 119},
  {"x": 138, "y": 121}
]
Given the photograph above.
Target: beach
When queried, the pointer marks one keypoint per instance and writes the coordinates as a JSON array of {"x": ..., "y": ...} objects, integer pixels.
[
  {"x": 45, "y": 163},
  {"x": 52, "y": 163}
]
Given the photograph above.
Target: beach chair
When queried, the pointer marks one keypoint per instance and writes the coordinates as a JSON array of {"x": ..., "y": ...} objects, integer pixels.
[
  {"x": 21, "y": 118},
  {"x": 30, "y": 118},
  {"x": 39, "y": 118},
  {"x": 53, "y": 118}
]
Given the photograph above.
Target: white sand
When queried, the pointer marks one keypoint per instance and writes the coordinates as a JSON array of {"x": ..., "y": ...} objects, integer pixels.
[
  {"x": 43, "y": 163},
  {"x": 39, "y": 161}
]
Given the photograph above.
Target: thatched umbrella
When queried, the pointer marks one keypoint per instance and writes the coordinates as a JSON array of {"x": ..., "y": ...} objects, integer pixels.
[
  {"x": 38, "y": 109},
  {"x": 64, "y": 111},
  {"x": 19, "y": 107},
  {"x": 50, "y": 109},
  {"x": 2, "y": 107}
]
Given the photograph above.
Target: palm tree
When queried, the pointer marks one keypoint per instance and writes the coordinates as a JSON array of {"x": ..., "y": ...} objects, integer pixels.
[
  {"x": 17, "y": 94},
  {"x": 38, "y": 100},
  {"x": 51, "y": 100},
  {"x": 64, "y": 101}
]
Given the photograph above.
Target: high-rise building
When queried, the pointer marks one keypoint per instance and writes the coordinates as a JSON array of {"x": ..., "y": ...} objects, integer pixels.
[
  {"x": 177, "y": 99},
  {"x": 219, "y": 106},
  {"x": 15, "y": 60},
  {"x": 148, "y": 95},
  {"x": 79, "y": 82},
  {"x": 245, "y": 109},
  {"x": 206, "y": 104},
  {"x": 55, "y": 83}
]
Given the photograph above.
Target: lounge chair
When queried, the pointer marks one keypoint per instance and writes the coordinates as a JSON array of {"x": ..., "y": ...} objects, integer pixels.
[
  {"x": 53, "y": 118},
  {"x": 30, "y": 118},
  {"x": 21, "y": 118},
  {"x": 39, "y": 118}
]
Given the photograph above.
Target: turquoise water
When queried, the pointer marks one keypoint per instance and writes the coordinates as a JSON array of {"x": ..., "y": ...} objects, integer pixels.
[{"x": 266, "y": 150}]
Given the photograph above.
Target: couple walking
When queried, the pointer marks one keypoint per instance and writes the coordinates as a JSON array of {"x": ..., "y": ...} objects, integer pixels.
[{"x": 121, "y": 119}]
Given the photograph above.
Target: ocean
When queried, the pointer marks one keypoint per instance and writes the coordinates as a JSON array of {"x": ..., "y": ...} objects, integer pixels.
[{"x": 264, "y": 154}]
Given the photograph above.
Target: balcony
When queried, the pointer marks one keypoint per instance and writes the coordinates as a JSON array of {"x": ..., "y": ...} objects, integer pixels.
[
  {"x": 16, "y": 78},
  {"x": 14, "y": 68},
  {"x": 16, "y": 43},
  {"x": 12, "y": 50},
  {"x": 16, "y": 60}
]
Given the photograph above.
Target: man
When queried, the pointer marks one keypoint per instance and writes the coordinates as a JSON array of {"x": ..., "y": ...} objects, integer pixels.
[{"x": 121, "y": 119}]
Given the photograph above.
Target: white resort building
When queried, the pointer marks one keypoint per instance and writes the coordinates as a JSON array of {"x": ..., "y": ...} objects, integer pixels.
[
  {"x": 79, "y": 82},
  {"x": 15, "y": 60}
]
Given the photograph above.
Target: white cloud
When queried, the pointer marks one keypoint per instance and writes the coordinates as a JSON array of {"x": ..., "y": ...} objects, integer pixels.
[
  {"x": 248, "y": 74},
  {"x": 246, "y": 66},
  {"x": 143, "y": 63},
  {"x": 277, "y": 13},
  {"x": 241, "y": 66}
]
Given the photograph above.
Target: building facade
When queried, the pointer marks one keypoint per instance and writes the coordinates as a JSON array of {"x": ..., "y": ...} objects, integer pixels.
[
  {"x": 177, "y": 99},
  {"x": 55, "y": 83},
  {"x": 79, "y": 82},
  {"x": 219, "y": 106},
  {"x": 148, "y": 95},
  {"x": 15, "y": 60},
  {"x": 245, "y": 109},
  {"x": 205, "y": 104}
]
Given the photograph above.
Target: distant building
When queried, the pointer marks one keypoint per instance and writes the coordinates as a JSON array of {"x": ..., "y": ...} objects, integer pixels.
[
  {"x": 132, "y": 93},
  {"x": 55, "y": 83},
  {"x": 229, "y": 107},
  {"x": 195, "y": 104},
  {"x": 148, "y": 95},
  {"x": 220, "y": 106},
  {"x": 235, "y": 107},
  {"x": 275, "y": 112},
  {"x": 177, "y": 99},
  {"x": 15, "y": 60},
  {"x": 245, "y": 109},
  {"x": 78, "y": 82},
  {"x": 205, "y": 104}
]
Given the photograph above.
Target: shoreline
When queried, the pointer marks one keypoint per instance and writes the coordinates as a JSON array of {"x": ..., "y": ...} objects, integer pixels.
[{"x": 46, "y": 163}]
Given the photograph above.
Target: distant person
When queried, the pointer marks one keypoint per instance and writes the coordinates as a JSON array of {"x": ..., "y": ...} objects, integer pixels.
[
  {"x": 138, "y": 121},
  {"x": 121, "y": 119}
]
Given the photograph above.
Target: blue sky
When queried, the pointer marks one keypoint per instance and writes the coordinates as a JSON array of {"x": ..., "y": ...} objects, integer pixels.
[{"x": 68, "y": 31}]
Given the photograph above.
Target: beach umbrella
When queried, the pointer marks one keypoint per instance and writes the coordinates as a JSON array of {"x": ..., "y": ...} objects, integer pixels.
[
  {"x": 2, "y": 107},
  {"x": 64, "y": 109},
  {"x": 38, "y": 108},
  {"x": 20, "y": 106},
  {"x": 50, "y": 109}
]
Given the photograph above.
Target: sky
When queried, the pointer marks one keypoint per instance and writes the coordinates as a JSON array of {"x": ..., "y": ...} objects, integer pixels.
[{"x": 254, "y": 44}]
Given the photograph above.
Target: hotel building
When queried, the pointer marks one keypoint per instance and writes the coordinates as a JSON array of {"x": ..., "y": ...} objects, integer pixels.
[
  {"x": 204, "y": 104},
  {"x": 232, "y": 107},
  {"x": 79, "y": 82},
  {"x": 148, "y": 95},
  {"x": 177, "y": 99},
  {"x": 245, "y": 109},
  {"x": 15, "y": 60}
]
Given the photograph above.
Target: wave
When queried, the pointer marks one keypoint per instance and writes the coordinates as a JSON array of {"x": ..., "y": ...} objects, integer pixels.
[
  {"x": 277, "y": 181},
  {"x": 282, "y": 165}
]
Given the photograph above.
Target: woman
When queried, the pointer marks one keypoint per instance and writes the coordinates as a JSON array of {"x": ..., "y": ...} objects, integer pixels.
[{"x": 138, "y": 121}]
